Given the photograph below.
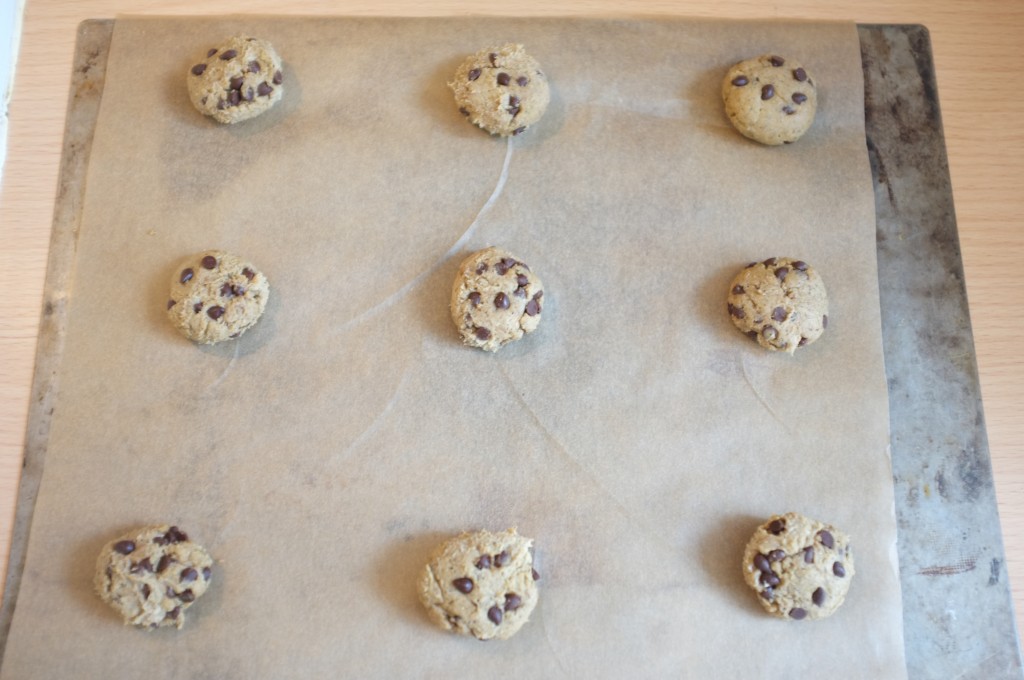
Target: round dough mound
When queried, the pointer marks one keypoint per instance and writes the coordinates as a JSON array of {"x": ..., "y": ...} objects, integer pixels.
[
  {"x": 152, "y": 575},
  {"x": 495, "y": 299},
  {"x": 216, "y": 296},
  {"x": 501, "y": 89},
  {"x": 481, "y": 584},
  {"x": 236, "y": 81},
  {"x": 800, "y": 568},
  {"x": 770, "y": 99},
  {"x": 780, "y": 302}
]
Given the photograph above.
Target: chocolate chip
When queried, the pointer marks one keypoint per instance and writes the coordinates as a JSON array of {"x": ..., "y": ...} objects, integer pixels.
[
  {"x": 522, "y": 279},
  {"x": 533, "y": 307},
  {"x": 481, "y": 268},
  {"x": 187, "y": 596},
  {"x": 164, "y": 562},
  {"x": 175, "y": 535},
  {"x": 463, "y": 111},
  {"x": 144, "y": 565},
  {"x": 769, "y": 332},
  {"x": 234, "y": 97},
  {"x": 800, "y": 266},
  {"x": 737, "y": 289},
  {"x": 226, "y": 290},
  {"x": 788, "y": 110},
  {"x": 826, "y": 539},
  {"x": 209, "y": 262},
  {"x": 495, "y": 615},
  {"x": 799, "y": 97},
  {"x": 761, "y": 563},
  {"x": 474, "y": 298},
  {"x": 463, "y": 585},
  {"x": 186, "y": 275},
  {"x": 188, "y": 575},
  {"x": 752, "y": 335},
  {"x": 254, "y": 66},
  {"x": 125, "y": 547},
  {"x": 512, "y": 602},
  {"x": 230, "y": 54},
  {"x": 236, "y": 82},
  {"x": 248, "y": 273},
  {"x": 779, "y": 314},
  {"x": 171, "y": 303},
  {"x": 249, "y": 94},
  {"x": 818, "y": 596},
  {"x": 777, "y": 61},
  {"x": 493, "y": 56},
  {"x": 767, "y": 92},
  {"x": 221, "y": 104},
  {"x": 501, "y": 301},
  {"x": 777, "y": 526},
  {"x": 263, "y": 89},
  {"x": 809, "y": 555},
  {"x": 278, "y": 78},
  {"x": 521, "y": 81},
  {"x": 800, "y": 74},
  {"x": 519, "y": 131},
  {"x": 781, "y": 272},
  {"x": 824, "y": 321},
  {"x": 768, "y": 593},
  {"x": 735, "y": 311},
  {"x": 838, "y": 569},
  {"x": 213, "y": 51},
  {"x": 474, "y": 74},
  {"x": 513, "y": 100},
  {"x": 513, "y": 111},
  {"x": 501, "y": 559},
  {"x": 740, "y": 81},
  {"x": 173, "y": 614},
  {"x": 776, "y": 555},
  {"x": 520, "y": 292},
  {"x": 484, "y": 562},
  {"x": 504, "y": 265},
  {"x": 536, "y": 576},
  {"x": 215, "y": 312},
  {"x": 803, "y": 341},
  {"x": 770, "y": 262},
  {"x": 197, "y": 307},
  {"x": 198, "y": 69},
  {"x": 749, "y": 265},
  {"x": 482, "y": 333},
  {"x": 797, "y": 613},
  {"x": 207, "y": 573},
  {"x": 146, "y": 590},
  {"x": 771, "y": 579}
]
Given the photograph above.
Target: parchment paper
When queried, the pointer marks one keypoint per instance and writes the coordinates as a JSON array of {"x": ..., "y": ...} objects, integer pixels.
[{"x": 637, "y": 436}]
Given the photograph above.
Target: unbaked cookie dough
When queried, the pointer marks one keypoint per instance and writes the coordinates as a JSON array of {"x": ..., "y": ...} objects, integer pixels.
[
  {"x": 495, "y": 299},
  {"x": 781, "y": 303},
  {"x": 152, "y": 575},
  {"x": 800, "y": 568},
  {"x": 216, "y": 296},
  {"x": 501, "y": 89},
  {"x": 236, "y": 81},
  {"x": 481, "y": 584},
  {"x": 770, "y": 99}
]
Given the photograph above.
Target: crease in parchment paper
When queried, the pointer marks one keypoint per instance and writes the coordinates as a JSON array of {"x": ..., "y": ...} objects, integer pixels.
[
  {"x": 466, "y": 235},
  {"x": 760, "y": 397},
  {"x": 223, "y": 374},
  {"x": 374, "y": 425}
]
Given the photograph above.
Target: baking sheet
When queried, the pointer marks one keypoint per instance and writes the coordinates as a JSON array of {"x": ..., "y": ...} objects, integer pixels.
[{"x": 636, "y": 436}]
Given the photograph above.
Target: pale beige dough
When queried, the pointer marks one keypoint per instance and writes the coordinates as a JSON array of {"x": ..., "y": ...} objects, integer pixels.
[
  {"x": 495, "y": 299},
  {"x": 770, "y": 99},
  {"x": 799, "y": 567},
  {"x": 238, "y": 80},
  {"x": 481, "y": 584},
  {"x": 216, "y": 296},
  {"x": 152, "y": 575},
  {"x": 501, "y": 89},
  {"x": 781, "y": 303}
]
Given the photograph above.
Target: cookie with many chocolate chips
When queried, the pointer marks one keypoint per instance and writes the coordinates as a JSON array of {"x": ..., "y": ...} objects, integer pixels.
[
  {"x": 238, "y": 80},
  {"x": 481, "y": 584},
  {"x": 781, "y": 303},
  {"x": 501, "y": 89},
  {"x": 799, "y": 567},
  {"x": 216, "y": 296},
  {"x": 495, "y": 299},
  {"x": 770, "y": 99},
  {"x": 152, "y": 575}
]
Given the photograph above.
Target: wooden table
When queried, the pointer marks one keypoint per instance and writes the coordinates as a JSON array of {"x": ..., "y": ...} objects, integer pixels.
[{"x": 978, "y": 61}]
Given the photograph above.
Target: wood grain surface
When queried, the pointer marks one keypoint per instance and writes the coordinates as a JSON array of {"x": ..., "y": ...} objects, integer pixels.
[{"x": 976, "y": 47}]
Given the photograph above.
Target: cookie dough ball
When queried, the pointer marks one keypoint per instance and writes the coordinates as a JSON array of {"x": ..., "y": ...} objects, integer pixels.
[
  {"x": 800, "y": 568},
  {"x": 495, "y": 299},
  {"x": 216, "y": 296},
  {"x": 501, "y": 89},
  {"x": 770, "y": 99},
  {"x": 152, "y": 575},
  {"x": 780, "y": 302},
  {"x": 236, "y": 81},
  {"x": 481, "y": 584}
]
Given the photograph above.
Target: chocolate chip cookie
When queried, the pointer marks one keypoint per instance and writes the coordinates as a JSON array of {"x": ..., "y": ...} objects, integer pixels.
[
  {"x": 781, "y": 303},
  {"x": 152, "y": 575},
  {"x": 216, "y": 296},
  {"x": 495, "y": 299},
  {"x": 800, "y": 568},
  {"x": 770, "y": 99},
  {"x": 501, "y": 89},
  {"x": 481, "y": 584},
  {"x": 236, "y": 81}
]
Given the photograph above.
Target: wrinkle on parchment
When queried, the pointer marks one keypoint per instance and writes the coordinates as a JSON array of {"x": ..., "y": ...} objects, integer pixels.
[
  {"x": 212, "y": 386},
  {"x": 466, "y": 235},
  {"x": 760, "y": 397},
  {"x": 374, "y": 425}
]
